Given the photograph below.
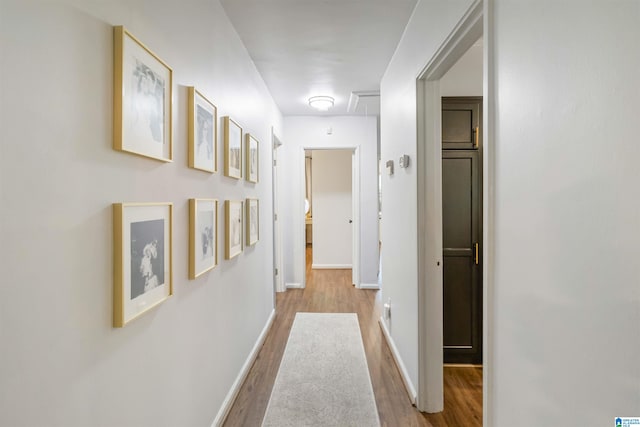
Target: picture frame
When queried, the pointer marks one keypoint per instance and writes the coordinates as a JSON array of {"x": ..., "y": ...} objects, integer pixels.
[
  {"x": 142, "y": 99},
  {"x": 232, "y": 148},
  {"x": 143, "y": 258},
  {"x": 253, "y": 221},
  {"x": 252, "y": 154},
  {"x": 203, "y": 132},
  {"x": 203, "y": 236},
  {"x": 234, "y": 225}
]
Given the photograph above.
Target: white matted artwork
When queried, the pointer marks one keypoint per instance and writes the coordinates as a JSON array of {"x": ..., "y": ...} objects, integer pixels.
[
  {"x": 203, "y": 132},
  {"x": 232, "y": 148},
  {"x": 142, "y": 95},
  {"x": 203, "y": 236},
  {"x": 142, "y": 235},
  {"x": 252, "y": 158},
  {"x": 253, "y": 221},
  {"x": 233, "y": 214}
]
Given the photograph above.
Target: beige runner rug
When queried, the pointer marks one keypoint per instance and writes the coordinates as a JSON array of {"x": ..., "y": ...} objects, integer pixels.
[{"x": 323, "y": 378}]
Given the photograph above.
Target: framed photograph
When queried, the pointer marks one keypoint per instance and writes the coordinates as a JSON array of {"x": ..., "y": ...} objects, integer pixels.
[
  {"x": 142, "y": 258},
  {"x": 252, "y": 158},
  {"x": 203, "y": 236},
  {"x": 203, "y": 132},
  {"x": 253, "y": 221},
  {"x": 233, "y": 215},
  {"x": 232, "y": 148},
  {"x": 142, "y": 93}
]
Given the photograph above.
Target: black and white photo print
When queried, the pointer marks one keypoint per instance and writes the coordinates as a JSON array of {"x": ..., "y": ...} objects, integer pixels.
[{"x": 147, "y": 256}]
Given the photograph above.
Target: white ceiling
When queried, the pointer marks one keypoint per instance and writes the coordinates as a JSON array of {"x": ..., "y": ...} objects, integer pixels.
[{"x": 304, "y": 48}]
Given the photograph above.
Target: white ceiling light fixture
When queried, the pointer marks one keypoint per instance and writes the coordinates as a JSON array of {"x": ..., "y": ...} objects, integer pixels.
[{"x": 321, "y": 103}]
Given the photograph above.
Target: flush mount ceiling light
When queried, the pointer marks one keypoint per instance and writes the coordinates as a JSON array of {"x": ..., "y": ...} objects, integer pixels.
[{"x": 321, "y": 103}]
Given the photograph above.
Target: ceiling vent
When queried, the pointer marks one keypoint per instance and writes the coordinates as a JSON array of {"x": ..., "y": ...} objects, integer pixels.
[{"x": 354, "y": 99}]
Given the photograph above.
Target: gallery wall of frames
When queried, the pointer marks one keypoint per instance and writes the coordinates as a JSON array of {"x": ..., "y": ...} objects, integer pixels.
[{"x": 143, "y": 230}]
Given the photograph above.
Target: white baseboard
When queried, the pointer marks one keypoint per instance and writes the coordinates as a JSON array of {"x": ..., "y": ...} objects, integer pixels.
[
  {"x": 369, "y": 286},
  {"x": 411, "y": 391},
  {"x": 330, "y": 266},
  {"x": 235, "y": 388},
  {"x": 293, "y": 285}
]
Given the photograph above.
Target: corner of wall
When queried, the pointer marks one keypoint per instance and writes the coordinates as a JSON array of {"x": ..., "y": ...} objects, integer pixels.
[
  {"x": 408, "y": 384},
  {"x": 242, "y": 375}
]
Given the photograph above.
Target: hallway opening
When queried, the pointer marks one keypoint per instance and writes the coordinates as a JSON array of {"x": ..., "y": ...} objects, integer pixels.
[
  {"x": 431, "y": 294},
  {"x": 331, "y": 204}
]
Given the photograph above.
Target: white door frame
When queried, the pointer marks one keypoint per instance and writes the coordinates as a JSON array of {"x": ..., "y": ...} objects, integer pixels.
[
  {"x": 278, "y": 281},
  {"x": 355, "y": 198},
  {"x": 355, "y": 217},
  {"x": 429, "y": 170}
]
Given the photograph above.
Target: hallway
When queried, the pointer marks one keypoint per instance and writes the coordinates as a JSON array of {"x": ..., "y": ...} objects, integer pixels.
[{"x": 331, "y": 291}]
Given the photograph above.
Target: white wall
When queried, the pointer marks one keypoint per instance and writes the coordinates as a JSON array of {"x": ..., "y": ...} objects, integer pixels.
[
  {"x": 311, "y": 132},
  {"x": 465, "y": 77},
  {"x": 565, "y": 295},
  {"x": 567, "y": 225},
  {"x": 430, "y": 24},
  {"x": 332, "y": 208},
  {"x": 62, "y": 364}
]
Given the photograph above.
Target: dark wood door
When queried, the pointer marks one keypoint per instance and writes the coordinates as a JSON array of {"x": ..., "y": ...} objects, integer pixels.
[
  {"x": 462, "y": 249},
  {"x": 461, "y": 120}
]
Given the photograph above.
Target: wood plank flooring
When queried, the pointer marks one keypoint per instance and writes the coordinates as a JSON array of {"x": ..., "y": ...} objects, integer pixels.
[{"x": 332, "y": 291}]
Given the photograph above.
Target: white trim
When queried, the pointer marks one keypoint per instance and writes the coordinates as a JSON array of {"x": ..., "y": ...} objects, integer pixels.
[
  {"x": 237, "y": 384},
  {"x": 294, "y": 286},
  {"x": 411, "y": 390},
  {"x": 299, "y": 224},
  {"x": 330, "y": 266},
  {"x": 488, "y": 203},
  {"x": 355, "y": 217},
  {"x": 278, "y": 282},
  {"x": 429, "y": 166},
  {"x": 430, "y": 294},
  {"x": 464, "y": 35},
  {"x": 369, "y": 286}
]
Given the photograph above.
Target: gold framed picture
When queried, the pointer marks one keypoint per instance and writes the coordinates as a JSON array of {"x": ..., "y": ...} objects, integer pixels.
[
  {"x": 253, "y": 221},
  {"x": 142, "y": 246},
  {"x": 232, "y": 148},
  {"x": 203, "y": 236},
  {"x": 142, "y": 95},
  {"x": 252, "y": 158},
  {"x": 203, "y": 132},
  {"x": 233, "y": 214}
]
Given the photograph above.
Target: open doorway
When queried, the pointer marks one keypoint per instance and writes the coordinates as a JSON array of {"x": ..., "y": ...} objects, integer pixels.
[
  {"x": 462, "y": 230},
  {"x": 461, "y": 90},
  {"x": 432, "y": 378},
  {"x": 329, "y": 210}
]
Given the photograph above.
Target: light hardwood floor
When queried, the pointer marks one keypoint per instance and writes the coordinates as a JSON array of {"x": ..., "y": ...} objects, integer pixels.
[{"x": 332, "y": 291}]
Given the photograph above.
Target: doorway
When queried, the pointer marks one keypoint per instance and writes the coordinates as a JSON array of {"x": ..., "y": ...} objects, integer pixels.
[
  {"x": 462, "y": 229},
  {"x": 278, "y": 281},
  {"x": 331, "y": 205},
  {"x": 430, "y": 396}
]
